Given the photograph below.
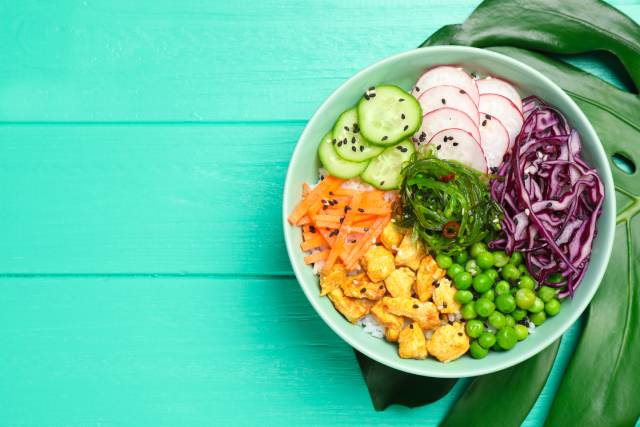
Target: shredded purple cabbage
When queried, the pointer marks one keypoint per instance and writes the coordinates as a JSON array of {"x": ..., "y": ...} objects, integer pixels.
[{"x": 550, "y": 197}]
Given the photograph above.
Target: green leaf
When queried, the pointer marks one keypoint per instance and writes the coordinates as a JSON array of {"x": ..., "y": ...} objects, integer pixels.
[
  {"x": 388, "y": 386},
  {"x": 481, "y": 397},
  {"x": 568, "y": 27}
]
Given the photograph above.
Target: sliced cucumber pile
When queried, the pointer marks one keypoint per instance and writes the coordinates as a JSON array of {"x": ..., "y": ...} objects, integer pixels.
[
  {"x": 350, "y": 144},
  {"x": 384, "y": 172},
  {"x": 335, "y": 164},
  {"x": 388, "y": 114}
]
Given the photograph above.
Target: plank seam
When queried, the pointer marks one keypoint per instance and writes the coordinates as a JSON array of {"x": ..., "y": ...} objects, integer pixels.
[{"x": 147, "y": 275}]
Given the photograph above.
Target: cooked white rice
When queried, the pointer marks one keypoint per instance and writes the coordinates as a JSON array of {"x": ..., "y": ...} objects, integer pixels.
[{"x": 371, "y": 326}]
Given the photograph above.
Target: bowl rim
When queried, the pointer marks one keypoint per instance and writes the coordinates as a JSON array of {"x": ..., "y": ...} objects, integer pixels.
[{"x": 553, "y": 335}]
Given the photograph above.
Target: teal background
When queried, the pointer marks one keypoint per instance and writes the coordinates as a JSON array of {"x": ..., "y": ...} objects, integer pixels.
[{"x": 143, "y": 149}]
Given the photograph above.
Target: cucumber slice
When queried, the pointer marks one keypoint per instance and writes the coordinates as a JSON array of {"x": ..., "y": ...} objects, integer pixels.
[
  {"x": 350, "y": 144},
  {"x": 388, "y": 114},
  {"x": 384, "y": 171},
  {"x": 335, "y": 164}
]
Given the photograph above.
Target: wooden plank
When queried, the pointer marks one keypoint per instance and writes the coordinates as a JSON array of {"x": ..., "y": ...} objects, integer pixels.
[
  {"x": 194, "y": 60},
  {"x": 80, "y": 352},
  {"x": 143, "y": 199}
]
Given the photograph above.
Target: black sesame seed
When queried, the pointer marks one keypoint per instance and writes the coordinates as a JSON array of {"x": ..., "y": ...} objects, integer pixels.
[
  {"x": 445, "y": 138},
  {"x": 459, "y": 334},
  {"x": 381, "y": 287},
  {"x": 341, "y": 220},
  {"x": 444, "y": 101},
  {"x": 402, "y": 116},
  {"x": 367, "y": 228},
  {"x": 363, "y": 290},
  {"x": 353, "y": 148},
  {"x": 416, "y": 306},
  {"x": 312, "y": 229},
  {"x": 334, "y": 141},
  {"x": 373, "y": 95},
  {"x": 549, "y": 204},
  {"x": 366, "y": 97},
  {"x": 346, "y": 128},
  {"x": 384, "y": 138},
  {"x": 484, "y": 123},
  {"x": 494, "y": 169},
  {"x": 435, "y": 284},
  {"x": 360, "y": 210},
  {"x": 411, "y": 326},
  {"x": 325, "y": 207},
  {"x": 361, "y": 148},
  {"x": 399, "y": 147},
  {"x": 353, "y": 139},
  {"x": 438, "y": 147},
  {"x": 417, "y": 89},
  {"x": 455, "y": 144},
  {"x": 444, "y": 305},
  {"x": 381, "y": 183},
  {"x": 339, "y": 143},
  {"x": 401, "y": 100},
  {"x": 488, "y": 116},
  {"x": 406, "y": 127},
  {"x": 462, "y": 91}
]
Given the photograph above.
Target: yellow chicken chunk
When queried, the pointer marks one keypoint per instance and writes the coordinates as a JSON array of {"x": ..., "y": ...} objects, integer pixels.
[
  {"x": 378, "y": 263},
  {"x": 391, "y": 236},
  {"x": 400, "y": 282},
  {"x": 410, "y": 252},
  {"x": 428, "y": 273},
  {"x": 392, "y": 323},
  {"x": 448, "y": 342},
  {"x": 333, "y": 279},
  {"x": 425, "y": 313},
  {"x": 359, "y": 287},
  {"x": 411, "y": 342},
  {"x": 443, "y": 293},
  {"x": 352, "y": 309}
]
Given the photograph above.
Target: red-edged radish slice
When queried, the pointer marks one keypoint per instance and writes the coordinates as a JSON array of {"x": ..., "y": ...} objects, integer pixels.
[
  {"x": 444, "y": 118},
  {"x": 449, "y": 96},
  {"x": 500, "y": 87},
  {"x": 446, "y": 75},
  {"x": 457, "y": 144},
  {"x": 508, "y": 114},
  {"x": 494, "y": 141}
]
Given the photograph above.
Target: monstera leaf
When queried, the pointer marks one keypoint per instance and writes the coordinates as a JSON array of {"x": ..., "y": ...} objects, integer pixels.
[{"x": 600, "y": 385}]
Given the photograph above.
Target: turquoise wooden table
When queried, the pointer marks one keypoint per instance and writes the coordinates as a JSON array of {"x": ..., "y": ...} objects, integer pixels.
[{"x": 143, "y": 149}]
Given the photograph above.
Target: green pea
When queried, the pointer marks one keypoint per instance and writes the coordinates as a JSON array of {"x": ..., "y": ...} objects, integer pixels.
[
  {"x": 523, "y": 269},
  {"x": 468, "y": 311},
  {"x": 538, "y": 318},
  {"x": 490, "y": 295},
  {"x": 477, "y": 351},
  {"x": 525, "y": 298},
  {"x": 552, "y": 307},
  {"x": 518, "y": 314},
  {"x": 444, "y": 261},
  {"x": 485, "y": 260},
  {"x": 471, "y": 267},
  {"x": 502, "y": 287},
  {"x": 481, "y": 283},
  {"x": 492, "y": 273},
  {"x": 484, "y": 307},
  {"x": 462, "y": 257},
  {"x": 462, "y": 280},
  {"x": 509, "y": 320},
  {"x": 527, "y": 282},
  {"x": 497, "y": 320},
  {"x": 516, "y": 258},
  {"x": 546, "y": 293},
  {"x": 477, "y": 248},
  {"x": 510, "y": 272},
  {"x": 454, "y": 269},
  {"x": 537, "y": 306},
  {"x": 474, "y": 328},
  {"x": 506, "y": 303},
  {"x": 463, "y": 297},
  {"x": 555, "y": 278},
  {"x": 500, "y": 259},
  {"x": 487, "y": 339},
  {"x": 522, "y": 332},
  {"x": 507, "y": 337}
]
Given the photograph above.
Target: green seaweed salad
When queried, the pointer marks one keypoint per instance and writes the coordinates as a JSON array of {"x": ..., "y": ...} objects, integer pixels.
[{"x": 447, "y": 204}]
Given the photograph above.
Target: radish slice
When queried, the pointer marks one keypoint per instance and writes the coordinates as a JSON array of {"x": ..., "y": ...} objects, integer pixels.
[
  {"x": 449, "y": 96},
  {"x": 508, "y": 114},
  {"x": 494, "y": 141},
  {"x": 446, "y": 75},
  {"x": 457, "y": 144},
  {"x": 444, "y": 118},
  {"x": 500, "y": 87}
]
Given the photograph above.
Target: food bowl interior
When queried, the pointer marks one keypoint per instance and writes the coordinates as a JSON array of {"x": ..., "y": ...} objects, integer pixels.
[{"x": 403, "y": 70}]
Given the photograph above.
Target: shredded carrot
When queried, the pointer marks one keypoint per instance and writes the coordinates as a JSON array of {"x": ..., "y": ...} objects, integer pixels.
[
  {"x": 305, "y": 189},
  {"x": 315, "y": 242},
  {"x": 376, "y": 211},
  {"x": 342, "y": 234},
  {"x": 318, "y": 256},
  {"x": 305, "y": 220},
  {"x": 365, "y": 242},
  {"x": 328, "y": 184}
]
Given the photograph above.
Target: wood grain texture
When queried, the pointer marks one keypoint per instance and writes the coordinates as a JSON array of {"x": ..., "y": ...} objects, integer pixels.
[{"x": 144, "y": 144}]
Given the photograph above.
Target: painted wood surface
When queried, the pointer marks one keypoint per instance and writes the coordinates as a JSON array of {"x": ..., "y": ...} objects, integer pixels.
[{"x": 143, "y": 148}]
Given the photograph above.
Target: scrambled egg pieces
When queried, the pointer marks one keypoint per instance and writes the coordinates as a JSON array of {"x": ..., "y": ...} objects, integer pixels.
[{"x": 405, "y": 291}]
